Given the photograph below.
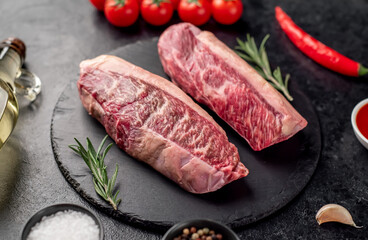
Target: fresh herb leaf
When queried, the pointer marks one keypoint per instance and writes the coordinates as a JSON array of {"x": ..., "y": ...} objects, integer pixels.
[
  {"x": 95, "y": 162},
  {"x": 258, "y": 57}
]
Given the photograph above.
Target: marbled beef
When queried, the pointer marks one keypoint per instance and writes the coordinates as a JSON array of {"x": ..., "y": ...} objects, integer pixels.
[
  {"x": 214, "y": 75},
  {"x": 155, "y": 122}
]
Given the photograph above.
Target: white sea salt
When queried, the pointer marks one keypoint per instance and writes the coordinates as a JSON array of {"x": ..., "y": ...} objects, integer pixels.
[{"x": 65, "y": 225}]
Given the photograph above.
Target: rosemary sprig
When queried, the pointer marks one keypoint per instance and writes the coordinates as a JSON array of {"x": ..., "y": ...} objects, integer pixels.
[
  {"x": 248, "y": 51},
  {"x": 95, "y": 162}
]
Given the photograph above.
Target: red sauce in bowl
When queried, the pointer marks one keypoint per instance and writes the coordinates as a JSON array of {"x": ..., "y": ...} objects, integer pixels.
[{"x": 362, "y": 120}]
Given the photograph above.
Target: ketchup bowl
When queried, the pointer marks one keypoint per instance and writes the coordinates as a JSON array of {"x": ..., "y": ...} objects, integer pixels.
[{"x": 359, "y": 120}]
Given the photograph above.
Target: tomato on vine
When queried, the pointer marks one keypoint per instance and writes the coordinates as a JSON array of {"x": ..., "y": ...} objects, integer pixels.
[
  {"x": 227, "y": 11},
  {"x": 121, "y": 13},
  {"x": 157, "y": 12},
  {"x": 175, "y": 3},
  {"x": 98, "y": 4},
  {"x": 197, "y": 12}
]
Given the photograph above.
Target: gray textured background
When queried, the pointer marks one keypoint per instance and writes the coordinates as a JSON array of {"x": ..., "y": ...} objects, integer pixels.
[{"x": 59, "y": 34}]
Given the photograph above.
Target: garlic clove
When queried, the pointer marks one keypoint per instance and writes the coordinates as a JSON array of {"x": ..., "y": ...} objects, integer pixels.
[{"x": 335, "y": 213}]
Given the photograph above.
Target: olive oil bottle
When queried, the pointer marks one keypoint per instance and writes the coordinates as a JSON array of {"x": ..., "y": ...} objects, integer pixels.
[
  {"x": 13, "y": 79},
  {"x": 8, "y": 110}
]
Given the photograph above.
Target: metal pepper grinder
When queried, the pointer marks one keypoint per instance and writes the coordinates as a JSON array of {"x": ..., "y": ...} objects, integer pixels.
[{"x": 14, "y": 80}]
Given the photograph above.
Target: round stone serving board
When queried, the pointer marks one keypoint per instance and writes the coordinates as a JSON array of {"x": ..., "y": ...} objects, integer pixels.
[{"x": 150, "y": 200}]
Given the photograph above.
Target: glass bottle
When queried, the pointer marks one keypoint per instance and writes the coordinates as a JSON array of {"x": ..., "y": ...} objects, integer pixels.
[{"x": 14, "y": 79}]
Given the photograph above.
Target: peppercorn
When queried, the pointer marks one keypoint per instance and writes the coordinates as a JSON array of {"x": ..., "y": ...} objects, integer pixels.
[
  {"x": 195, "y": 236},
  {"x": 186, "y": 231},
  {"x": 219, "y": 236},
  {"x": 205, "y": 231},
  {"x": 184, "y": 237},
  {"x": 193, "y": 230}
]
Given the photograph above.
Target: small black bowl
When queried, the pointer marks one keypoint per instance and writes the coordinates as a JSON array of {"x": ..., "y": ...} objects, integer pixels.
[
  {"x": 176, "y": 230},
  {"x": 54, "y": 209}
]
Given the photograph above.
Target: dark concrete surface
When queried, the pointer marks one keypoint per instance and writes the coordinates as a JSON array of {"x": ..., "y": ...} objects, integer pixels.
[{"x": 59, "y": 34}]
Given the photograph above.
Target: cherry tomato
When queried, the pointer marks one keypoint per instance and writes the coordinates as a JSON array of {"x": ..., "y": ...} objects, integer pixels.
[
  {"x": 157, "y": 12},
  {"x": 99, "y": 4},
  {"x": 121, "y": 13},
  {"x": 175, "y": 3},
  {"x": 197, "y": 12},
  {"x": 227, "y": 11}
]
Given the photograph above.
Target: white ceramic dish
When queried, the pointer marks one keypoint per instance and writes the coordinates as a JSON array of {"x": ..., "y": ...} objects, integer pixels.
[{"x": 363, "y": 140}]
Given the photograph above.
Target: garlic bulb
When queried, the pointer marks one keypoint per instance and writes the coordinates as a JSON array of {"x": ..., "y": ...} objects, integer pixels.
[{"x": 335, "y": 213}]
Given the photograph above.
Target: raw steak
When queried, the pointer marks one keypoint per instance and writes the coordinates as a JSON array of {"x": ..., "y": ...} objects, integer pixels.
[
  {"x": 154, "y": 121},
  {"x": 214, "y": 75}
]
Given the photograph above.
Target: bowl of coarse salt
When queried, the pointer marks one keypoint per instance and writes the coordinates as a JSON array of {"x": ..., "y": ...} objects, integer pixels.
[{"x": 63, "y": 222}]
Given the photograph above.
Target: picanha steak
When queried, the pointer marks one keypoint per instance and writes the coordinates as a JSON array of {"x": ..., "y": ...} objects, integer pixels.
[
  {"x": 214, "y": 75},
  {"x": 156, "y": 122}
]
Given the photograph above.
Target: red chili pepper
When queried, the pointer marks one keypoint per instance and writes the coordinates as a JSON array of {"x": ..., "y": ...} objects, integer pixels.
[{"x": 316, "y": 50}]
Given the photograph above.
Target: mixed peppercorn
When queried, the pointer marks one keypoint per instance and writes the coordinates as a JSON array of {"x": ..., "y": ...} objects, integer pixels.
[{"x": 200, "y": 234}]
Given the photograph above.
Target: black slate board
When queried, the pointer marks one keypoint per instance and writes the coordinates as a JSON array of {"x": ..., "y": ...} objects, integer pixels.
[{"x": 150, "y": 200}]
